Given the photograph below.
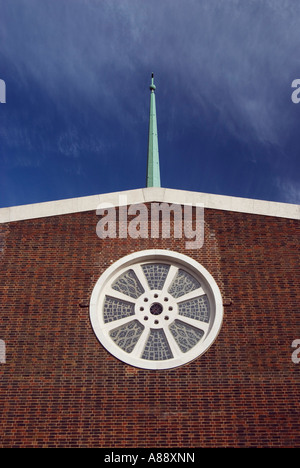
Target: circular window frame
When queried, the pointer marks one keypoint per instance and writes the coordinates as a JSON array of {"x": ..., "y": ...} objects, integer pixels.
[{"x": 164, "y": 319}]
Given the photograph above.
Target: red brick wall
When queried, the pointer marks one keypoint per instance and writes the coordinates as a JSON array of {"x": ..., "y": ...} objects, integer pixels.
[{"x": 60, "y": 388}]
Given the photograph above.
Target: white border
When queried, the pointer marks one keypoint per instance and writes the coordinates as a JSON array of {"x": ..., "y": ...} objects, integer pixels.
[
  {"x": 150, "y": 194},
  {"x": 210, "y": 287}
]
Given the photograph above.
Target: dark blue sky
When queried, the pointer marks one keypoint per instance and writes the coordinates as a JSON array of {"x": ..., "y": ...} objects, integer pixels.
[{"x": 77, "y": 76}]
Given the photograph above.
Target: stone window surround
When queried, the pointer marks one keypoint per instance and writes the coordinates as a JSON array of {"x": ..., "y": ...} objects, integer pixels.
[{"x": 102, "y": 330}]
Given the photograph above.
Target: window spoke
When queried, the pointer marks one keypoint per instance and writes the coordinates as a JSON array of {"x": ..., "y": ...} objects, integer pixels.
[
  {"x": 194, "y": 323},
  {"x": 192, "y": 295},
  {"x": 117, "y": 323},
  {"x": 139, "y": 347},
  {"x": 170, "y": 277},
  {"x": 140, "y": 274},
  {"x": 172, "y": 343},
  {"x": 119, "y": 295}
]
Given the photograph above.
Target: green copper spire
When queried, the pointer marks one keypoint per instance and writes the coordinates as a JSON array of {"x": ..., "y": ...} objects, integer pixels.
[{"x": 153, "y": 172}]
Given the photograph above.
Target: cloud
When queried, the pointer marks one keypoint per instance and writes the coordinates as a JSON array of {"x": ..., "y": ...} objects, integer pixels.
[
  {"x": 223, "y": 69},
  {"x": 289, "y": 190},
  {"x": 234, "y": 51},
  {"x": 72, "y": 144}
]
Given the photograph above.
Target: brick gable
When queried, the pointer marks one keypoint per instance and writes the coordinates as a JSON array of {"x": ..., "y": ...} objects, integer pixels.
[{"x": 61, "y": 388}]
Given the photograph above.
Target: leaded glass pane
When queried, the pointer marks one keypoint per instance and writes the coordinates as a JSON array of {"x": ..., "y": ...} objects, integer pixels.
[
  {"x": 183, "y": 283},
  {"x": 126, "y": 336},
  {"x": 115, "y": 309},
  {"x": 197, "y": 308},
  {"x": 157, "y": 347},
  {"x": 128, "y": 284},
  {"x": 156, "y": 274},
  {"x": 185, "y": 335}
]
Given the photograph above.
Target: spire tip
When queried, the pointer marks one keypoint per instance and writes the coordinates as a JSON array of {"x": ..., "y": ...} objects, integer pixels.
[
  {"x": 153, "y": 172},
  {"x": 152, "y": 86}
]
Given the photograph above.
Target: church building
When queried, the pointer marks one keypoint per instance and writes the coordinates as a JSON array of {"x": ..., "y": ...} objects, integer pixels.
[{"x": 150, "y": 318}]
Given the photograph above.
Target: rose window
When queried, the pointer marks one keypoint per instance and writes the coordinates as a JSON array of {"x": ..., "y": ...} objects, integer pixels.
[{"x": 156, "y": 309}]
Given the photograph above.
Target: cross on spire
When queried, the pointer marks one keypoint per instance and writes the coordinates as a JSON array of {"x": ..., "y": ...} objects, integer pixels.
[{"x": 153, "y": 171}]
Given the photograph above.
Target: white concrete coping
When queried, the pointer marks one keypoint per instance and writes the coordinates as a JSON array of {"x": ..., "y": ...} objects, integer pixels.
[{"x": 144, "y": 195}]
